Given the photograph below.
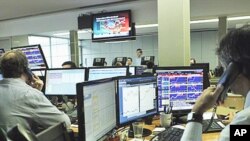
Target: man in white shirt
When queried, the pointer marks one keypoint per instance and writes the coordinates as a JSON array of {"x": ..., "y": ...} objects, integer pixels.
[
  {"x": 234, "y": 47},
  {"x": 21, "y": 99},
  {"x": 138, "y": 58}
]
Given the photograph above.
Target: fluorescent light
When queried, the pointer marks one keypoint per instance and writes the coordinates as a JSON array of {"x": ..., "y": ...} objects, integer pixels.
[
  {"x": 115, "y": 42},
  {"x": 204, "y": 21},
  {"x": 146, "y": 25},
  {"x": 67, "y": 33},
  {"x": 238, "y": 18},
  {"x": 85, "y": 31},
  {"x": 61, "y": 34}
]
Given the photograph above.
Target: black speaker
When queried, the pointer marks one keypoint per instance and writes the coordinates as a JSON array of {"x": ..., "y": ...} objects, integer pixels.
[{"x": 84, "y": 21}]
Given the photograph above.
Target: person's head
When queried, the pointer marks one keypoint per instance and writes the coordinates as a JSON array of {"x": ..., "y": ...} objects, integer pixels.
[
  {"x": 150, "y": 65},
  {"x": 139, "y": 52},
  {"x": 69, "y": 64},
  {"x": 235, "y": 47},
  {"x": 129, "y": 61},
  {"x": 118, "y": 64},
  {"x": 14, "y": 64},
  {"x": 192, "y": 61}
]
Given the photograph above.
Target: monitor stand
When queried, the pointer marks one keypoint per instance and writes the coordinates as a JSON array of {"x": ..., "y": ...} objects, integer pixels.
[{"x": 146, "y": 132}]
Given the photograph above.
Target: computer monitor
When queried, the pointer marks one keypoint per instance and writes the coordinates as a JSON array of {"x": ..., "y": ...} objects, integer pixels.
[
  {"x": 205, "y": 66},
  {"x": 96, "y": 109},
  {"x": 136, "y": 99},
  {"x": 35, "y": 56},
  {"x": 139, "y": 70},
  {"x": 63, "y": 81},
  {"x": 95, "y": 73},
  {"x": 132, "y": 70},
  {"x": 179, "y": 88},
  {"x": 39, "y": 72},
  {"x": 98, "y": 61},
  {"x": 122, "y": 60},
  {"x": 146, "y": 59},
  {"x": 1, "y": 76},
  {"x": 1, "y": 51}
]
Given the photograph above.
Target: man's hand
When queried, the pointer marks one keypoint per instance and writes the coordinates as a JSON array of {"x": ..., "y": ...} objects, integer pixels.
[
  {"x": 207, "y": 100},
  {"x": 36, "y": 83}
]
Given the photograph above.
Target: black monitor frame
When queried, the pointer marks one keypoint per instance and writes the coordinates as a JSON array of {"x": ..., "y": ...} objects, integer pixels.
[
  {"x": 2, "y": 51},
  {"x": 117, "y": 101},
  {"x": 145, "y": 60},
  {"x": 107, "y": 67},
  {"x": 41, "y": 51},
  {"x": 98, "y": 61},
  {"x": 80, "y": 104},
  {"x": 85, "y": 75},
  {"x": 177, "y": 112}
]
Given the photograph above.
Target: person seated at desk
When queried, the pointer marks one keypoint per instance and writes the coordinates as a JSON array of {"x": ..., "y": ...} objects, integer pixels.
[
  {"x": 234, "y": 47},
  {"x": 21, "y": 98},
  {"x": 149, "y": 69},
  {"x": 129, "y": 61}
]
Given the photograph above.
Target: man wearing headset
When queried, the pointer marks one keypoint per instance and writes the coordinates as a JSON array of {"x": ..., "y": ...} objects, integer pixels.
[
  {"x": 234, "y": 47},
  {"x": 21, "y": 99}
]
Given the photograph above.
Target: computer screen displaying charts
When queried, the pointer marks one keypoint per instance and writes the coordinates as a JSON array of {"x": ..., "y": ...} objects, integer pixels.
[
  {"x": 63, "y": 81},
  {"x": 106, "y": 72},
  {"x": 96, "y": 108},
  {"x": 34, "y": 55},
  {"x": 136, "y": 98},
  {"x": 179, "y": 87}
]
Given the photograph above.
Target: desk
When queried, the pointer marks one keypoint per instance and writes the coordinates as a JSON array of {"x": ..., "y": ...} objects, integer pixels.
[{"x": 205, "y": 136}]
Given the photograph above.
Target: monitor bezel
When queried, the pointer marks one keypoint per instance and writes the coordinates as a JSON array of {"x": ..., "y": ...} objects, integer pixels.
[
  {"x": 106, "y": 67},
  {"x": 178, "y": 112},
  {"x": 85, "y": 71},
  {"x": 41, "y": 51},
  {"x": 80, "y": 104},
  {"x": 117, "y": 100},
  {"x": 116, "y": 38}
]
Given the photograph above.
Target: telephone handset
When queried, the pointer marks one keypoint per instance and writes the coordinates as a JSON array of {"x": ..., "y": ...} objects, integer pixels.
[
  {"x": 29, "y": 74},
  {"x": 227, "y": 78}
]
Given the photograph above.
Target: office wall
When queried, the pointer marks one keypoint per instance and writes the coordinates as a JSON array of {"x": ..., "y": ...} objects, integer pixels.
[
  {"x": 203, "y": 45},
  {"x": 148, "y": 44}
]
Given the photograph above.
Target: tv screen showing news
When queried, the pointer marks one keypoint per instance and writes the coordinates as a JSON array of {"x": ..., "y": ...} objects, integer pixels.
[
  {"x": 63, "y": 81},
  {"x": 35, "y": 56},
  {"x": 111, "y": 25},
  {"x": 106, "y": 72},
  {"x": 179, "y": 87}
]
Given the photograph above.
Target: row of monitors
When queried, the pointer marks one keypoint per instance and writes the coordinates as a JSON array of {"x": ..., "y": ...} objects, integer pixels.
[{"x": 116, "y": 102}]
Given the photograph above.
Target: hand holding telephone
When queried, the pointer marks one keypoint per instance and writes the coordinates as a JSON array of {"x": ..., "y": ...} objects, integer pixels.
[
  {"x": 33, "y": 80},
  {"x": 227, "y": 78}
]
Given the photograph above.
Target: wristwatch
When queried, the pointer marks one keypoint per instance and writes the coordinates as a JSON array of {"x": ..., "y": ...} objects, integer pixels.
[{"x": 194, "y": 117}]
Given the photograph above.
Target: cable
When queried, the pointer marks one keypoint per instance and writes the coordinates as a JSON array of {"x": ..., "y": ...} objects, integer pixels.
[{"x": 211, "y": 120}]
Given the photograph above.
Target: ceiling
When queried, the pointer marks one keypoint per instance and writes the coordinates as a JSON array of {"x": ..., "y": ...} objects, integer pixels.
[{"x": 199, "y": 9}]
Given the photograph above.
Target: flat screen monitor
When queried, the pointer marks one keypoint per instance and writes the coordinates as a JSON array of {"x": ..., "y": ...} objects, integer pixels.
[
  {"x": 35, "y": 56},
  {"x": 122, "y": 60},
  {"x": 179, "y": 88},
  {"x": 136, "y": 98},
  {"x": 111, "y": 26},
  {"x": 96, "y": 109},
  {"x": 205, "y": 66},
  {"x": 39, "y": 72},
  {"x": 146, "y": 59},
  {"x": 139, "y": 70},
  {"x": 131, "y": 70},
  {"x": 1, "y": 51},
  {"x": 63, "y": 81},
  {"x": 98, "y": 61},
  {"x": 95, "y": 73}
]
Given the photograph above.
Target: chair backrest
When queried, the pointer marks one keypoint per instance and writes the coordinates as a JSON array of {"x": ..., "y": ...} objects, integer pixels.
[
  {"x": 57, "y": 132},
  {"x": 3, "y": 136},
  {"x": 19, "y": 133}
]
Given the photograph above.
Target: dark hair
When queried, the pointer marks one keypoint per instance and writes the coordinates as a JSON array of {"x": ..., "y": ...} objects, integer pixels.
[
  {"x": 235, "y": 47},
  {"x": 72, "y": 64},
  {"x": 150, "y": 65},
  {"x": 140, "y": 50},
  {"x": 130, "y": 59},
  {"x": 13, "y": 64}
]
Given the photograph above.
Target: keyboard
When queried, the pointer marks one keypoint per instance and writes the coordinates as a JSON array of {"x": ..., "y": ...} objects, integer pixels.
[
  {"x": 216, "y": 125},
  {"x": 170, "y": 134}
]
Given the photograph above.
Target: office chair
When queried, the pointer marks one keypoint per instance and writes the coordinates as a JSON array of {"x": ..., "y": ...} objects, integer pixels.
[
  {"x": 3, "y": 136},
  {"x": 57, "y": 132},
  {"x": 19, "y": 133}
]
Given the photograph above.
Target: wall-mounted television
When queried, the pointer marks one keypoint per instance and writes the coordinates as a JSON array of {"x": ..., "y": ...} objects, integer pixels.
[{"x": 112, "y": 26}]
